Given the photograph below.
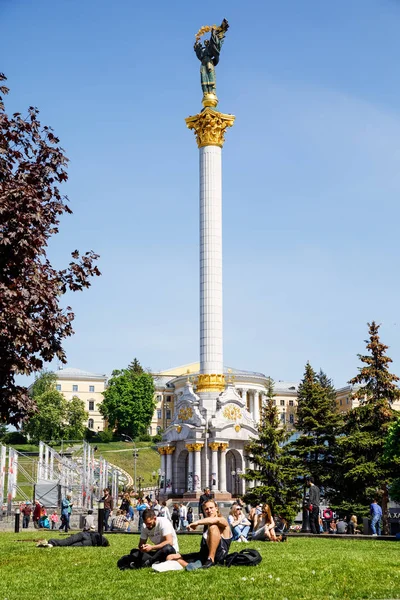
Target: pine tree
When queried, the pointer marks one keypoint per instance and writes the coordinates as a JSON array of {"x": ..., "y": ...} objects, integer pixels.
[
  {"x": 317, "y": 423},
  {"x": 363, "y": 471},
  {"x": 135, "y": 368},
  {"x": 275, "y": 471}
]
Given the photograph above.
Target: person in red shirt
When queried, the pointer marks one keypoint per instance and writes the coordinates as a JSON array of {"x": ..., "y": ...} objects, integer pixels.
[{"x": 26, "y": 511}]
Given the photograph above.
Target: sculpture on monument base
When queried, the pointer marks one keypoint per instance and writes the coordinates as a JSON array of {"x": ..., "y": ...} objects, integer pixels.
[{"x": 208, "y": 55}]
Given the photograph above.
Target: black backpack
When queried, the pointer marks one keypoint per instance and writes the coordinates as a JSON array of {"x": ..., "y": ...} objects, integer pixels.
[{"x": 244, "y": 558}]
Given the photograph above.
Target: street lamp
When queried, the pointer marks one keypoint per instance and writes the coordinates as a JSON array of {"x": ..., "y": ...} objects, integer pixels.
[
  {"x": 135, "y": 457},
  {"x": 161, "y": 476},
  {"x": 236, "y": 478},
  {"x": 140, "y": 480}
]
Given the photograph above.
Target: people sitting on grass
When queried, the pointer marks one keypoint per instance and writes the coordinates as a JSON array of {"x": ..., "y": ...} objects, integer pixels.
[
  {"x": 239, "y": 523},
  {"x": 332, "y": 526},
  {"x": 120, "y": 521},
  {"x": 215, "y": 541},
  {"x": 88, "y": 524},
  {"x": 341, "y": 526},
  {"x": 352, "y": 526},
  {"x": 264, "y": 526},
  {"x": 162, "y": 537},
  {"x": 78, "y": 539}
]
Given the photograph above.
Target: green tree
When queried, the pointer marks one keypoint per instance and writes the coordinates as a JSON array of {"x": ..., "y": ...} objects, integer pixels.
[
  {"x": 128, "y": 403},
  {"x": 275, "y": 469},
  {"x": 48, "y": 421},
  {"x": 76, "y": 419},
  {"x": 363, "y": 470},
  {"x": 135, "y": 367},
  {"x": 317, "y": 423},
  {"x": 392, "y": 454}
]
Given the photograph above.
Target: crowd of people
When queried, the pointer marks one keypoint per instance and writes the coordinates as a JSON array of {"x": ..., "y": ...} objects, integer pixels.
[{"x": 245, "y": 522}]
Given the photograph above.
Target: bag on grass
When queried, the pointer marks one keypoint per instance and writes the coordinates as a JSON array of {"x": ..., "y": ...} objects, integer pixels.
[
  {"x": 244, "y": 558},
  {"x": 130, "y": 561}
]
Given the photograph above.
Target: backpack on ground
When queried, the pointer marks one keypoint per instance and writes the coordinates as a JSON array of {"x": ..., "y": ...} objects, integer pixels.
[{"x": 244, "y": 558}]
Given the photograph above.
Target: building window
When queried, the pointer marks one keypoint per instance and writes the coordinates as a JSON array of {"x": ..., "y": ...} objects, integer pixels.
[
  {"x": 168, "y": 398},
  {"x": 91, "y": 388},
  {"x": 91, "y": 404},
  {"x": 274, "y": 402},
  {"x": 90, "y": 423},
  {"x": 158, "y": 429},
  {"x": 282, "y": 403},
  {"x": 291, "y": 402},
  {"x": 159, "y": 415},
  {"x": 150, "y": 431},
  {"x": 159, "y": 398},
  {"x": 341, "y": 402},
  {"x": 347, "y": 400},
  {"x": 291, "y": 419},
  {"x": 282, "y": 417},
  {"x": 58, "y": 387},
  {"x": 74, "y": 388},
  {"x": 168, "y": 414}
]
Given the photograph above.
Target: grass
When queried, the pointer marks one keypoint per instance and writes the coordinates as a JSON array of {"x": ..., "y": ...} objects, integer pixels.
[{"x": 300, "y": 569}]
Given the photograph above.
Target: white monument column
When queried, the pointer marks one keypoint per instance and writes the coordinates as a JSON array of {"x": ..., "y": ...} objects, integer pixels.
[
  {"x": 197, "y": 467},
  {"x": 169, "y": 450},
  {"x": 209, "y": 127},
  {"x": 189, "y": 448},
  {"x": 214, "y": 465},
  {"x": 256, "y": 403},
  {"x": 222, "y": 467}
]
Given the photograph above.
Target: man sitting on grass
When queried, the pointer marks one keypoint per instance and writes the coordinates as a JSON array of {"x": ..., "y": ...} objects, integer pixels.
[
  {"x": 215, "y": 540},
  {"x": 162, "y": 535}
]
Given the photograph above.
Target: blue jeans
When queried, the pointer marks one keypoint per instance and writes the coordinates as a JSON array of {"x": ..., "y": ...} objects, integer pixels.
[
  {"x": 239, "y": 531},
  {"x": 376, "y": 524}
]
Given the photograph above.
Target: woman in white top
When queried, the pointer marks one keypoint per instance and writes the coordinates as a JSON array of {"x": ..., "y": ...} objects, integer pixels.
[
  {"x": 239, "y": 523},
  {"x": 264, "y": 527}
]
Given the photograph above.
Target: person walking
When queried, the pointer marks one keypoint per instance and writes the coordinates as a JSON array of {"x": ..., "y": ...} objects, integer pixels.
[
  {"x": 313, "y": 502},
  {"x": 182, "y": 516},
  {"x": 376, "y": 516}
]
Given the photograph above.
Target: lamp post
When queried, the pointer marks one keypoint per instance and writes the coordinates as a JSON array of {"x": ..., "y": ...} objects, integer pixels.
[
  {"x": 161, "y": 476},
  {"x": 135, "y": 457},
  {"x": 140, "y": 480},
  {"x": 236, "y": 478}
]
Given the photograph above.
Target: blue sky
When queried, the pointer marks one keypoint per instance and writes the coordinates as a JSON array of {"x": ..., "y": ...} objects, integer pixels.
[{"x": 311, "y": 174}]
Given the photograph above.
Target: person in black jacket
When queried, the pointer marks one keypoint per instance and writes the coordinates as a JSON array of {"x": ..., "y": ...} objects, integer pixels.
[
  {"x": 205, "y": 497},
  {"x": 78, "y": 539},
  {"x": 313, "y": 501}
]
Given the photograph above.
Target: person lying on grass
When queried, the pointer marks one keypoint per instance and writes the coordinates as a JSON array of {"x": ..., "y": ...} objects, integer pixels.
[
  {"x": 215, "y": 541},
  {"x": 160, "y": 532},
  {"x": 84, "y": 538}
]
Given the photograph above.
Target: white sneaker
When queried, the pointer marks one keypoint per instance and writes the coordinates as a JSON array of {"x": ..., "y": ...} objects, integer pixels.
[
  {"x": 374, "y": 535},
  {"x": 244, "y": 539},
  {"x": 239, "y": 540}
]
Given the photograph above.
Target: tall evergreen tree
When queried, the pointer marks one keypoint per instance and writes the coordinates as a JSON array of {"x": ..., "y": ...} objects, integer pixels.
[
  {"x": 363, "y": 471},
  {"x": 392, "y": 453},
  {"x": 317, "y": 423},
  {"x": 275, "y": 471},
  {"x": 135, "y": 367}
]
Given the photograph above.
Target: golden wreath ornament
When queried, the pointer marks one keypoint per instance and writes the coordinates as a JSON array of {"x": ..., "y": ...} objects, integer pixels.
[
  {"x": 185, "y": 413},
  {"x": 206, "y": 29},
  {"x": 232, "y": 412}
]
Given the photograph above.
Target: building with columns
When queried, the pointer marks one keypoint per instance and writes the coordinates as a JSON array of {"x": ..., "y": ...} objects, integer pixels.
[{"x": 193, "y": 458}]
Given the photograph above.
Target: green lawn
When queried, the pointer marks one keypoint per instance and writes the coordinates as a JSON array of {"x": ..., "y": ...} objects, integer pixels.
[{"x": 302, "y": 568}]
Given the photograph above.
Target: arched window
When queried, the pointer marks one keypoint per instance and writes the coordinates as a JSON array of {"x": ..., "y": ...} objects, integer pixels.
[{"x": 90, "y": 423}]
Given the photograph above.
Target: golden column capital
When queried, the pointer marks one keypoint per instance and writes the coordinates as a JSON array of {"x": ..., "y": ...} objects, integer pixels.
[
  {"x": 210, "y": 383},
  {"x": 189, "y": 447},
  {"x": 214, "y": 446},
  {"x": 197, "y": 447},
  {"x": 161, "y": 450},
  {"x": 224, "y": 446},
  {"x": 209, "y": 127},
  {"x": 169, "y": 449}
]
